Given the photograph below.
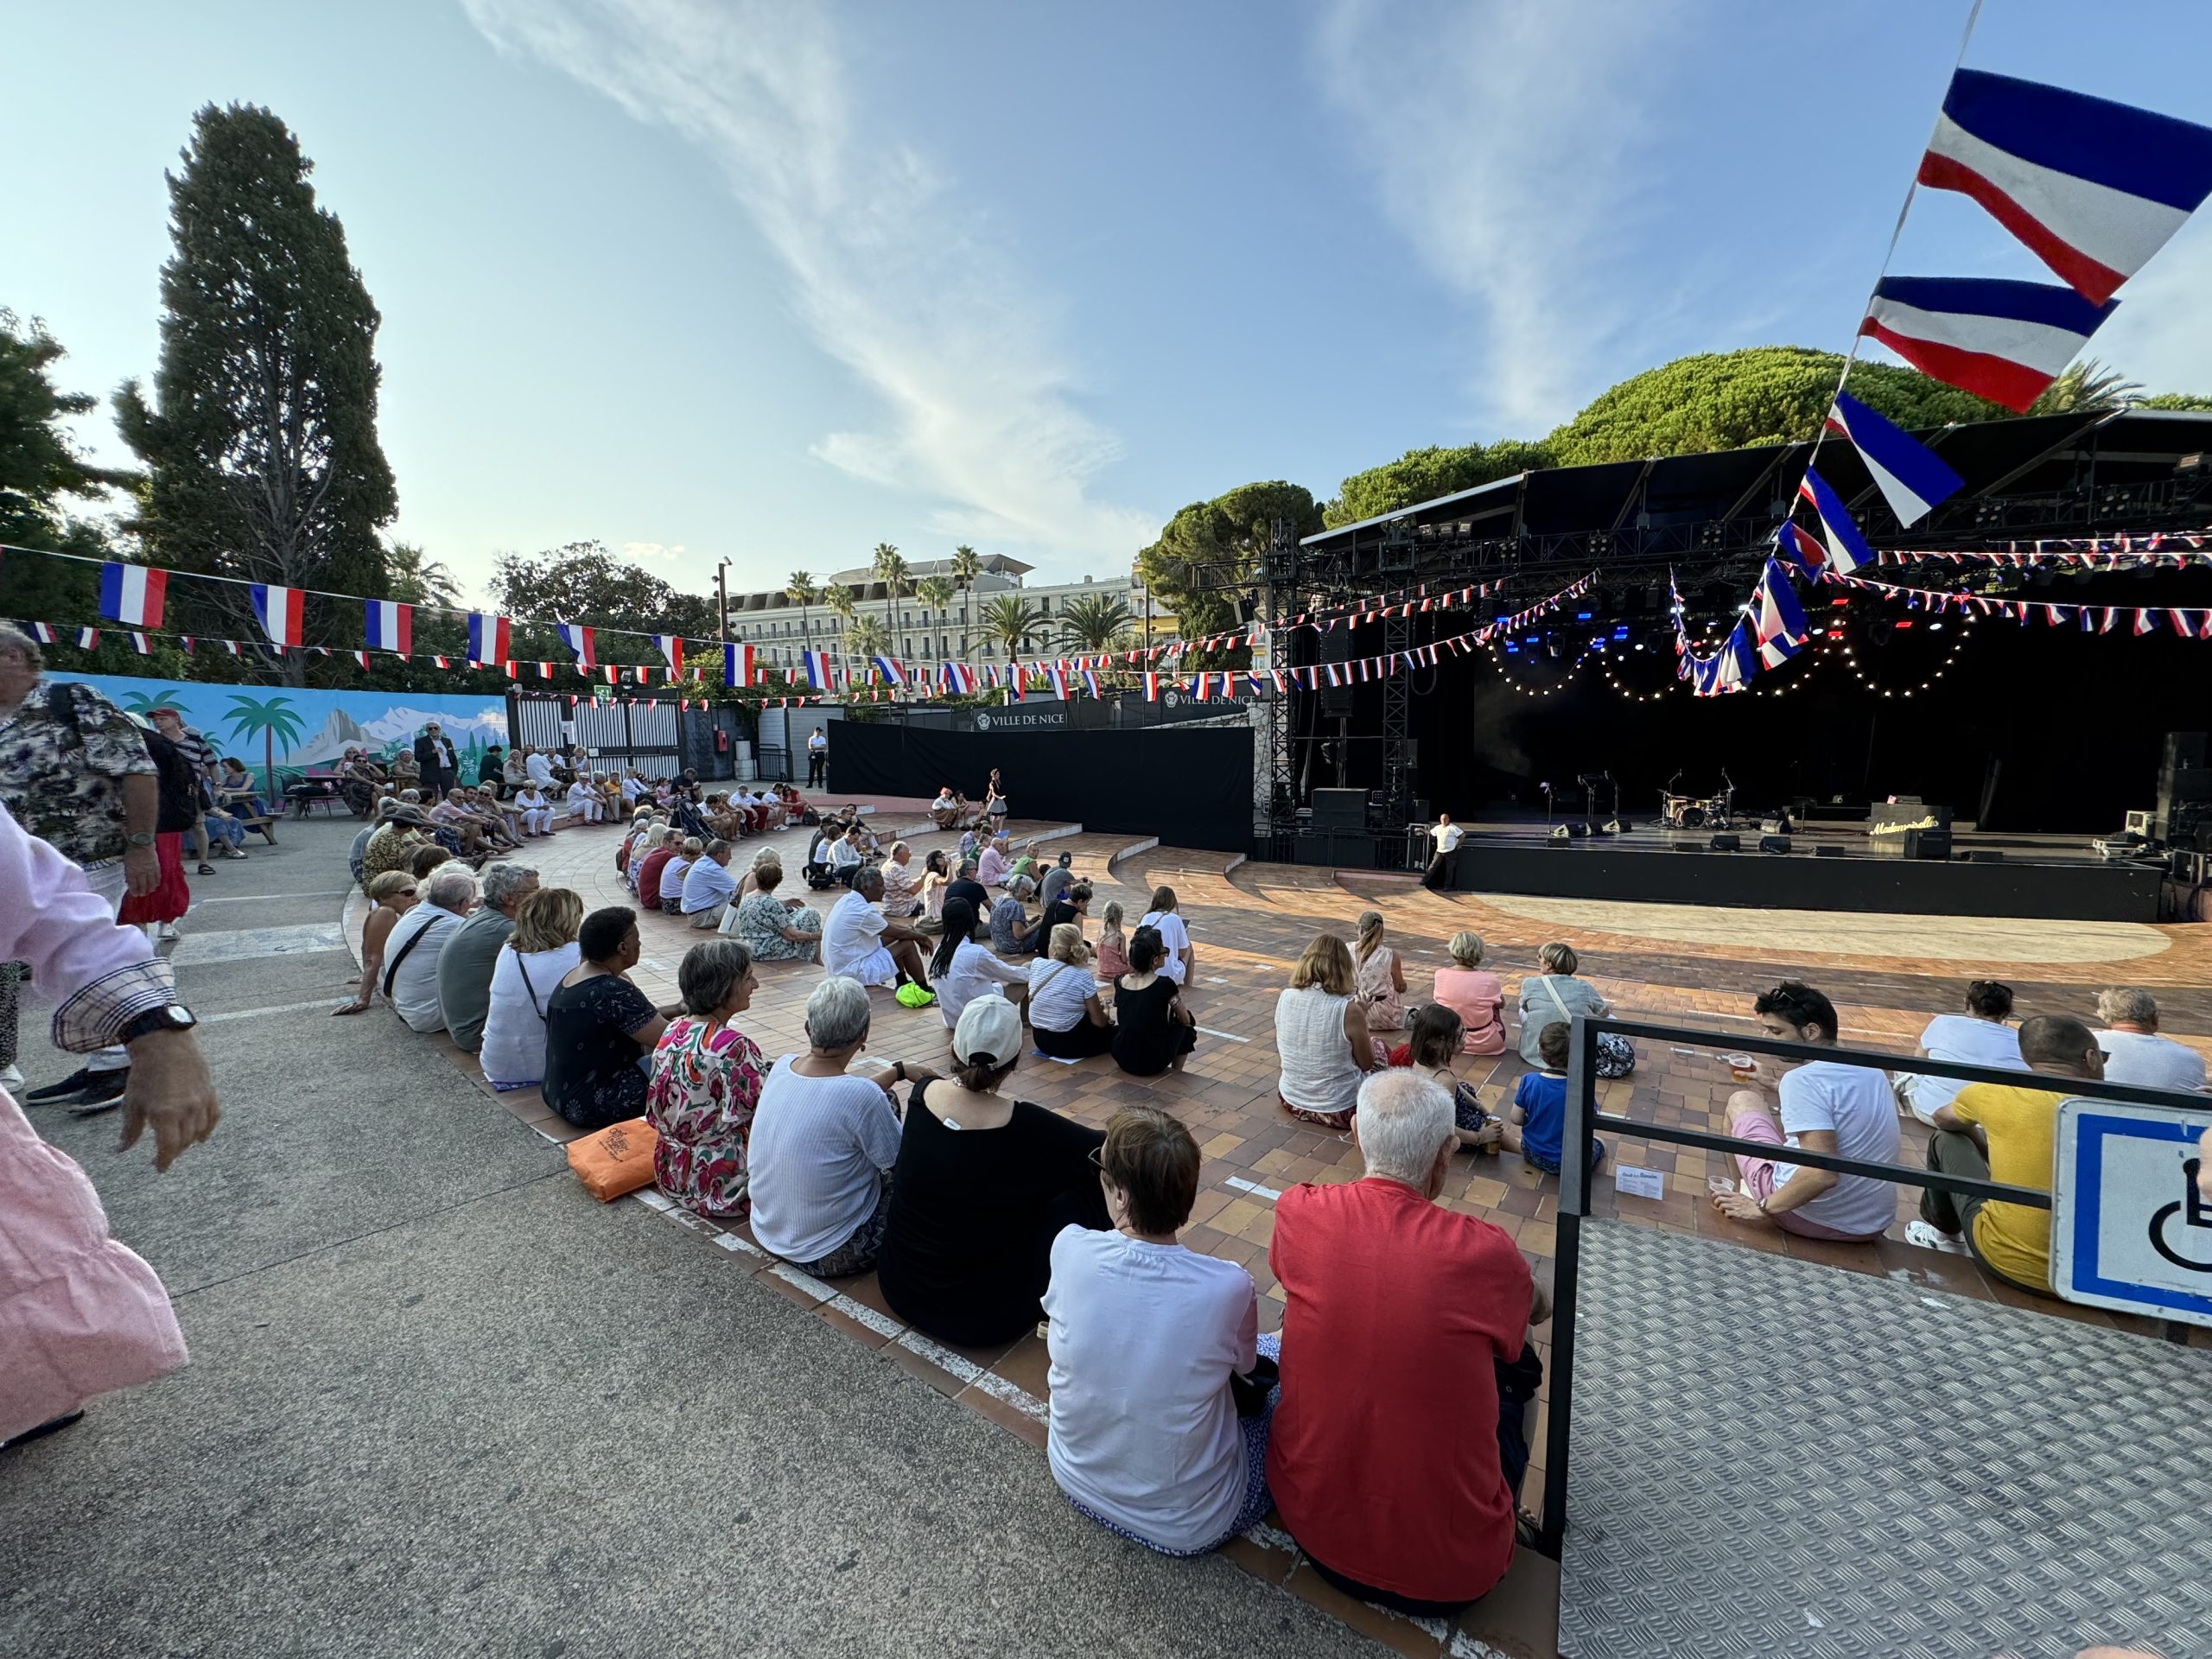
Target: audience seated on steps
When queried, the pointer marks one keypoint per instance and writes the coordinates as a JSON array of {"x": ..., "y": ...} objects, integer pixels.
[
  {"x": 411, "y": 967},
  {"x": 671, "y": 891},
  {"x": 707, "y": 1077},
  {"x": 984, "y": 1181},
  {"x": 825, "y": 1137},
  {"x": 2135, "y": 1051},
  {"x": 536, "y": 956},
  {"x": 963, "y": 970},
  {"x": 1822, "y": 1106},
  {"x": 773, "y": 928},
  {"x": 1066, "y": 1014},
  {"x": 1400, "y": 1438},
  {"x": 1149, "y": 1435},
  {"x": 1153, "y": 1031},
  {"x": 654, "y": 850},
  {"x": 467, "y": 960},
  {"x": 708, "y": 885},
  {"x": 1557, "y": 994},
  {"x": 391, "y": 895},
  {"x": 860, "y": 941},
  {"x": 1536, "y": 1126},
  {"x": 1182, "y": 957},
  {"x": 1113, "y": 945},
  {"x": 1432, "y": 1046},
  {"x": 1378, "y": 977},
  {"x": 600, "y": 1028},
  {"x": 1998, "y": 1132},
  {"x": 901, "y": 902},
  {"x": 1321, "y": 1040},
  {"x": 993, "y": 866},
  {"x": 1476, "y": 996},
  {"x": 1978, "y": 1037},
  {"x": 1010, "y": 918},
  {"x": 534, "y": 807}
]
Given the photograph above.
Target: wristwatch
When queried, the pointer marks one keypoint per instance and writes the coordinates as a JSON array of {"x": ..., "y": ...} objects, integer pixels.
[
  {"x": 143, "y": 838},
  {"x": 174, "y": 1017}
]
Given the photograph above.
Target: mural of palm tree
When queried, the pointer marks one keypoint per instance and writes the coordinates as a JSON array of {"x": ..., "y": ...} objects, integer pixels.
[
  {"x": 935, "y": 593},
  {"x": 139, "y": 702},
  {"x": 839, "y": 599},
  {"x": 1095, "y": 622},
  {"x": 890, "y": 567},
  {"x": 802, "y": 592},
  {"x": 268, "y": 718},
  {"x": 1010, "y": 619},
  {"x": 418, "y": 578},
  {"x": 967, "y": 565}
]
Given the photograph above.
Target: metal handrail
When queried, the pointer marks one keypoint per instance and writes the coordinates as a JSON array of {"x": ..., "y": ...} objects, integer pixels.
[{"x": 1582, "y": 1118}]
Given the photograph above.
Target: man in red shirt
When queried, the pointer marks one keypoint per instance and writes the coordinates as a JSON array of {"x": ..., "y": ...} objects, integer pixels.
[{"x": 1391, "y": 1457}]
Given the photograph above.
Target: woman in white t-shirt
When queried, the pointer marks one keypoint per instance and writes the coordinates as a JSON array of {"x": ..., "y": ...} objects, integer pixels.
[
  {"x": 1978, "y": 1037},
  {"x": 1145, "y": 1435},
  {"x": 963, "y": 970},
  {"x": 536, "y": 813},
  {"x": 1065, "y": 1014},
  {"x": 1173, "y": 934},
  {"x": 537, "y": 956}
]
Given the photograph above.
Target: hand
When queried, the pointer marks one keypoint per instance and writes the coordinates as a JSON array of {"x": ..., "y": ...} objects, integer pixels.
[
  {"x": 142, "y": 871},
  {"x": 169, "y": 1090},
  {"x": 1737, "y": 1207},
  {"x": 361, "y": 1007}
]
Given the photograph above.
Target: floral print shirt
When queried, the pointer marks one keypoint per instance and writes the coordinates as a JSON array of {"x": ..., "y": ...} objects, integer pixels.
[
  {"x": 62, "y": 779},
  {"x": 705, "y": 1085}
]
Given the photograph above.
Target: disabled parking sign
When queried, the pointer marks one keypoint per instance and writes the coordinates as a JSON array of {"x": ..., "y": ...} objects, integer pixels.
[{"x": 2129, "y": 1227}]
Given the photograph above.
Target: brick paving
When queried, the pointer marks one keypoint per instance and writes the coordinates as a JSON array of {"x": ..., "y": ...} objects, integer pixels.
[{"x": 1249, "y": 922}]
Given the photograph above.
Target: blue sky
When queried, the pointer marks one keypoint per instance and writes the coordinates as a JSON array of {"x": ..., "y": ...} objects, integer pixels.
[{"x": 774, "y": 282}]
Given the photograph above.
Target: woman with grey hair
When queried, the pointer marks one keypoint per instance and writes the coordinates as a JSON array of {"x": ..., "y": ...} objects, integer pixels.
[
  {"x": 706, "y": 1083},
  {"x": 824, "y": 1138}
]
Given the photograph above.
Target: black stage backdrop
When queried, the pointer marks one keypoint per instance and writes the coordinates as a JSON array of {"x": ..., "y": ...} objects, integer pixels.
[
  {"x": 2061, "y": 729},
  {"x": 1190, "y": 788}
]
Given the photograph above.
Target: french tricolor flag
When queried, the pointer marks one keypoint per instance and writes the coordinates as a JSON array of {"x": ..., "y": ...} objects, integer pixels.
[
  {"x": 1998, "y": 339},
  {"x": 391, "y": 626},
  {"x": 578, "y": 639},
  {"x": 1911, "y": 477},
  {"x": 2092, "y": 187},
  {"x": 671, "y": 646},
  {"x": 279, "y": 610},
  {"x": 892, "y": 670},
  {"x": 1842, "y": 549},
  {"x": 1058, "y": 677},
  {"x": 1778, "y": 619},
  {"x": 737, "y": 665},
  {"x": 1151, "y": 685},
  {"x": 132, "y": 594},
  {"x": 487, "y": 638},
  {"x": 816, "y": 665}
]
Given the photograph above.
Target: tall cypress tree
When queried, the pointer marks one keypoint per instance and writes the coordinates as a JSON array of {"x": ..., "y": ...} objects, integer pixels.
[{"x": 260, "y": 449}]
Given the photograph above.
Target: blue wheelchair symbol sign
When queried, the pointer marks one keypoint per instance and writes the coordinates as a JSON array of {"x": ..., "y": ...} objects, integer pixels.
[{"x": 2129, "y": 1227}]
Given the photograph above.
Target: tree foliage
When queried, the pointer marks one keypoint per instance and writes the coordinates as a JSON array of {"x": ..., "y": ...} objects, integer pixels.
[
  {"x": 1424, "y": 475},
  {"x": 1211, "y": 548},
  {"x": 1010, "y": 621},
  {"x": 41, "y": 476},
  {"x": 582, "y": 582},
  {"x": 260, "y": 445},
  {"x": 2177, "y": 400},
  {"x": 1091, "y": 622}
]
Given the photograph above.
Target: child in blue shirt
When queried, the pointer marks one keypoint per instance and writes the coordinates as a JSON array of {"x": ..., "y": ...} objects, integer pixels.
[{"x": 1538, "y": 1122}]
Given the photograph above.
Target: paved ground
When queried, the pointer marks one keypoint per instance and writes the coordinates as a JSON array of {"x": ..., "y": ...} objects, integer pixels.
[{"x": 441, "y": 1403}]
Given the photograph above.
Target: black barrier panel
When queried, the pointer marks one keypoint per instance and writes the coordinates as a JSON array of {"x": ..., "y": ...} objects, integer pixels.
[{"x": 1190, "y": 788}]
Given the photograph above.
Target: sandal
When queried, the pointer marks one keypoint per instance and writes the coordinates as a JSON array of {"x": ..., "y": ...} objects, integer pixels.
[{"x": 206, "y": 869}]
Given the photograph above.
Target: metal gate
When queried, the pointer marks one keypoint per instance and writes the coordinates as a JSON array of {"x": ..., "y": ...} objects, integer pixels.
[{"x": 642, "y": 732}]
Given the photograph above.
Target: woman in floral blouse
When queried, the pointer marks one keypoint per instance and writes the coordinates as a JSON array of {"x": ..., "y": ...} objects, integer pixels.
[{"x": 706, "y": 1081}]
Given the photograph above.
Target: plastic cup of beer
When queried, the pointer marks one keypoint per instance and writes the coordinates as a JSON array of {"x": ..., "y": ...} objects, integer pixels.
[{"x": 1742, "y": 1067}]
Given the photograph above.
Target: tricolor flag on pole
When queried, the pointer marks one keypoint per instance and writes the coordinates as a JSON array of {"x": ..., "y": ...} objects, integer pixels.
[
  {"x": 487, "y": 638},
  {"x": 671, "y": 646},
  {"x": 737, "y": 665},
  {"x": 279, "y": 610},
  {"x": 1843, "y": 549},
  {"x": 1998, "y": 339},
  {"x": 815, "y": 665},
  {"x": 390, "y": 626},
  {"x": 132, "y": 594},
  {"x": 1912, "y": 479},
  {"x": 579, "y": 641},
  {"x": 2092, "y": 187}
]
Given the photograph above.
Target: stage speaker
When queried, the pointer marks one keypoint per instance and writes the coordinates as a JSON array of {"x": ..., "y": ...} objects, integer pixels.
[
  {"x": 1727, "y": 843},
  {"x": 1982, "y": 856},
  {"x": 1422, "y": 814},
  {"x": 1559, "y": 832},
  {"x": 1336, "y": 700},
  {"x": 1827, "y": 852},
  {"x": 1578, "y": 831},
  {"x": 1774, "y": 843},
  {"x": 1617, "y": 826},
  {"x": 1340, "y": 809},
  {"x": 1927, "y": 844}
]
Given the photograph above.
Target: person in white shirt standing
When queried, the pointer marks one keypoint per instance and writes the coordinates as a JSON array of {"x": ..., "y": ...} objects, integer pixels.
[
  {"x": 2134, "y": 1051},
  {"x": 817, "y": 759},
  {"x": 1978, "y": 1037},
  {"x": 1444, "y": 867}
]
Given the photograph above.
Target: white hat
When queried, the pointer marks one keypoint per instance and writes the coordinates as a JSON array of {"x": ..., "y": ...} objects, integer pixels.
[{"x": 989, "y": 1033}]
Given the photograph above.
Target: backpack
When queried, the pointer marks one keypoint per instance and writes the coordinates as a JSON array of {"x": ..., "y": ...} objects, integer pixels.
[{"x": 179, "y": 809}]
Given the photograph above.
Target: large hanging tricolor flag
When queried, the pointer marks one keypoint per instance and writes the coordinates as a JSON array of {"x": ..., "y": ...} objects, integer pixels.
[
  {"x": 671, "y": 646},
  {"x": 1911, "y": 477},
  {"x": 737, "y": 665},
  {"x": 132, "y": 594},
  {"x": 2093, "y": 189},
  {"x": 1842, "y": 549},
  {"x": 1151, "y": 685},
  {"x": 279, "y": 610},
  {"x": 957, "y": 677},
  {"x": 579, "y": 641},
  {"x": 814, "y": 665},
  {"x": 391, "y": 624},
  {"x": 1058, "y": 678},
  {"x": 1015, "y": 689},
  {"x": 1778, "y": 619},
  {"x": 892, "y": 672},
  {"x": 487, "y": 638},
  {"x": 1998, "y": 339}
]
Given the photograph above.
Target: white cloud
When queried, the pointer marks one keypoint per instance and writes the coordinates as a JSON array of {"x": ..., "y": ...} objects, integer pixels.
[
  {"x": 1503, "y": 136},
  {"x": 894, "y": 275},
  {"x": 2158, "y": 336},
  {"x": 640, "y": 552}
]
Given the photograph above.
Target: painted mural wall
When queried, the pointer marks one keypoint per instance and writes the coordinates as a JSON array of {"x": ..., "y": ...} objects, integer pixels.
[{"x": 265, "y": 724}]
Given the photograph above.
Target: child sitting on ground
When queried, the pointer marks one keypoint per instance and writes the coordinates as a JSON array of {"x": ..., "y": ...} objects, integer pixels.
[
  {"x": 1430, "y": 1046},
  {"x": 1539, "y": 1118},
  {"x": 1113, "y": 947}
]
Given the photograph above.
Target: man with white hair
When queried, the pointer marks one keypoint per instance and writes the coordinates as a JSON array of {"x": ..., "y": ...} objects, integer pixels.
[
  {"x": 2134, "y": 1051},
  {"x": 465, "y": 960},
  {"x": 860, "y": 941},
  {"x": 1399, "y": 1443},
  {"x": 410, "y": 953}
]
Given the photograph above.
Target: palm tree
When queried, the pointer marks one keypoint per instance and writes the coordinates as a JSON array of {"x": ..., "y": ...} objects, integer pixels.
[
  {"x": 2085, "y": 386},
  {"x": 839, "y": 599},
  {"x": 936, "y": 593},
  {"x": 1009, "y": 620},
  {"x": 890, "y": 567},
  {"x": 417, "y": 579},
  {"x": 272, "y": 718},
  {"x": 802, "y": 592},
  {"x": 1095, "y": 622},
  {"x": 967, "y": 565},
  {"x": 869, "y": 637}
]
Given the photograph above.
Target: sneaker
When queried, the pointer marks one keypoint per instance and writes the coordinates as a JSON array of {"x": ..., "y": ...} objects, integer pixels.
[
  {"x": 11, "y": 1077},
  {"x": 1928, "y": 1237},
  {"x": 68, "y": 1085},
  {"x": 103, "y": 1094},
  {"x": 168, "y": 933}
]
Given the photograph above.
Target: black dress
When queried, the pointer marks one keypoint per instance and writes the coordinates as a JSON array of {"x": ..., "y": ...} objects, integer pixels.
[
  {"x": 1146, "y": 1039},
  {"x": 967, "y": 1251},
  {"x": 592, "y": 1075}
]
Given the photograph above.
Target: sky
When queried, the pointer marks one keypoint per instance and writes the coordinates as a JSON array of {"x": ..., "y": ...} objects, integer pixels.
[{"x": 773, "y": 283}]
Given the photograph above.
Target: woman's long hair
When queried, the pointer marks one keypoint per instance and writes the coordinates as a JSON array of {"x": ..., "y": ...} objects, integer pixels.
[{"x": 959, "y": 927}]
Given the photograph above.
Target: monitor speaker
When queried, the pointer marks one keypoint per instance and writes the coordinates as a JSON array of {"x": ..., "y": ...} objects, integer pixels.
[
  {"x": 1774, "y": 843},
  {"x": 1422, "y": 814},
  {"x": 1829, "y": 851},
  {"x": 1727, "y": 843},
  {"x": 1340, "y": 809}
]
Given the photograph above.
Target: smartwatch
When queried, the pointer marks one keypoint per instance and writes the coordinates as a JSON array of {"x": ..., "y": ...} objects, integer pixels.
[{"x": 172, "y": 1018}]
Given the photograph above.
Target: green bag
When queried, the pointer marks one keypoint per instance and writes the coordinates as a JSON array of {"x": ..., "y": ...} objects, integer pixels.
[{"x": 910, "y": 995}]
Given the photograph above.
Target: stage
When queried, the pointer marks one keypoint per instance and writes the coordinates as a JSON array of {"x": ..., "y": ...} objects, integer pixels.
[{"x": 1835, "y": 867}]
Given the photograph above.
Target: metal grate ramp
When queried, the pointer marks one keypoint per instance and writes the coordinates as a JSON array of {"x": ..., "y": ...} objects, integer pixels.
[{"x": 1772, "y": 1458}]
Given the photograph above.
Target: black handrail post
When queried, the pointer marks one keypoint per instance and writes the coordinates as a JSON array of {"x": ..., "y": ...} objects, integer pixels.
[{"x": 1566, "y": 1267}]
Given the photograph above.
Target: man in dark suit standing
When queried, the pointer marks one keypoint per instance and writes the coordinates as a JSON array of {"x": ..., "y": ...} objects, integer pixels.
[{"x": 433, "y": 755}]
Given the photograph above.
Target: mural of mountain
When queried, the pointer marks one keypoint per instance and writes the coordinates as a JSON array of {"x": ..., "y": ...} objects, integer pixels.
[
  {"x": 339, "y": 732},
  {"x": 487, "y": 725}
]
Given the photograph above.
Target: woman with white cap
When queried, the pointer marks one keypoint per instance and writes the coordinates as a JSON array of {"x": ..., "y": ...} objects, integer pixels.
[{"x": 982, "y": 1185}]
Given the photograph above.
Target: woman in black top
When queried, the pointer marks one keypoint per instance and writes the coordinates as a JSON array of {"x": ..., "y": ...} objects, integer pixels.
[
  {"x": 982, "y": 1185},
  {"x": 1153, "y": 1031},
  {"x": 600, "y": 1028}
]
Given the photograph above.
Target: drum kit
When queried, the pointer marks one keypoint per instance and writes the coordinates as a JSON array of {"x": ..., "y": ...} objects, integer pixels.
[{"x": 1716, "y": 811}]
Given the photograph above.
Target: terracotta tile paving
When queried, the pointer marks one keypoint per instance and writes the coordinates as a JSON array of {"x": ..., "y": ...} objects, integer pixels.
[{"x": 1249, "y": 922}]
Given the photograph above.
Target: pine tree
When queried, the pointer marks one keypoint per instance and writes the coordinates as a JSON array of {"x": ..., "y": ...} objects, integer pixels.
[{"x": 260, "y": 448}]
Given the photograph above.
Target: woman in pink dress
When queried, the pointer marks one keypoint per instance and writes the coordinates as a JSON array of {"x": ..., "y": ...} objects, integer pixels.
[
  {"x": 1474, "y": 995},
  {"x": 1378, "y": 977}
]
